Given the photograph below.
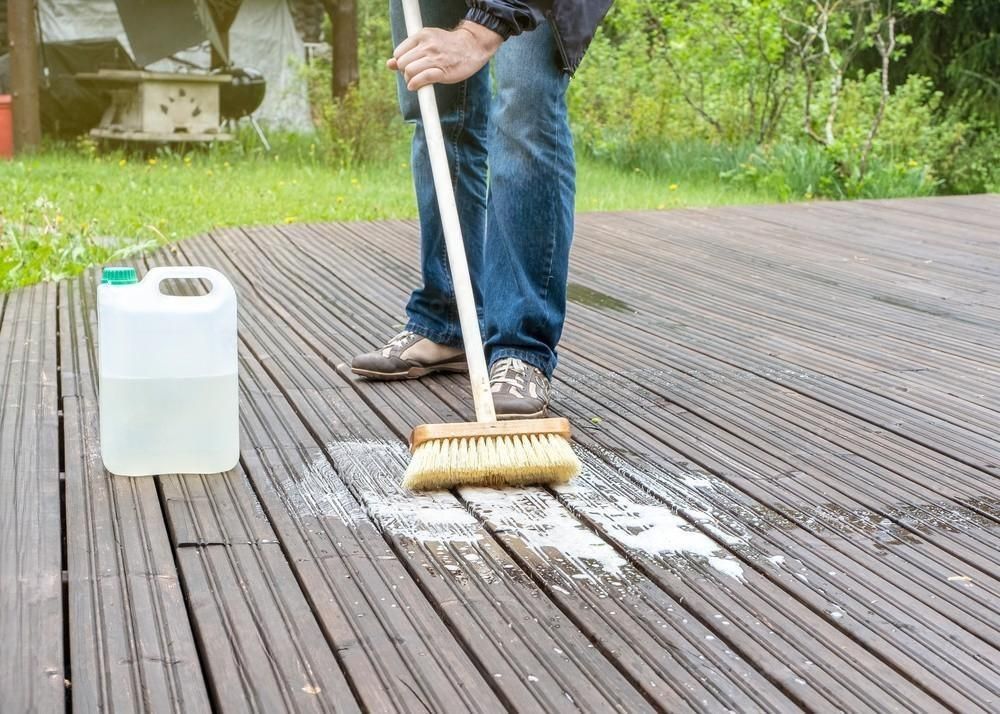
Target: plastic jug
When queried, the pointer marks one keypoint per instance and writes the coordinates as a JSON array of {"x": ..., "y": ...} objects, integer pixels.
[{"x": 168, "y": 374}]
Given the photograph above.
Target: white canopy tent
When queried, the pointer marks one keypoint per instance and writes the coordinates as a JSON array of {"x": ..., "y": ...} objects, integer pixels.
[{"x": 263, "y": 37}]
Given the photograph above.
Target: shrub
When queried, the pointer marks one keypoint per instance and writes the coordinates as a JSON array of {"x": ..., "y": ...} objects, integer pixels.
[
  {"x": 364, "y": 126},
  {"x": 917, "y": 138},
  {"x": 975, "y": 165}
]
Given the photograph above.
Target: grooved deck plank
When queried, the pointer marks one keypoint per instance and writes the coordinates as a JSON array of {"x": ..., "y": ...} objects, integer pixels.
[
  {"x": 789, "y": 498},
  {"x": 517, "y": 637},
  {"x": 337, "y": 332},
  {"x": 131, "y": 644},
  {"x": 368, "y": 256},
  {"x": 31, "y": 610},
  {"x": 220, "y": 515}
]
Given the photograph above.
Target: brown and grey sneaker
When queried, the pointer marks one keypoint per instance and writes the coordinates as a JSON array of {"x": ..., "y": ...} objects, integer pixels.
[
  {"x": 408, "y": 356},
  {"x": 520, "y": 390}
]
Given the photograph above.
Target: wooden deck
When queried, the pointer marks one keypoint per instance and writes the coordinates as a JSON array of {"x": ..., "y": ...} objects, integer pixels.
[{"x": 788, "y": 420}]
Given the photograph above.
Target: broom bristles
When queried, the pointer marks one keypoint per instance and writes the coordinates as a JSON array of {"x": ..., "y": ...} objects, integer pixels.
[{"x": 492, "y": 461}]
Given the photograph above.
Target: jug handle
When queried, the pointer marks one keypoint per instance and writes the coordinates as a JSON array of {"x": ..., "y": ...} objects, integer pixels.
[{"x": 220, "y": 283}]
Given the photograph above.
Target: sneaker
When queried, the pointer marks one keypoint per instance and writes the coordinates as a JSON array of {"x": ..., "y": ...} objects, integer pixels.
[
  {"x": 408, "y": 356},
  {"x": 520, "y": 391}
]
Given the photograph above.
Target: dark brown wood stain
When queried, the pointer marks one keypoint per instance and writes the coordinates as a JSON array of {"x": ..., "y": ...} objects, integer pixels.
[{"x": 806, "y": 395}]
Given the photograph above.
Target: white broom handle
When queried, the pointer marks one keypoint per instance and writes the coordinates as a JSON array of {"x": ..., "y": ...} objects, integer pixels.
[{"x": 464, "y": 297}]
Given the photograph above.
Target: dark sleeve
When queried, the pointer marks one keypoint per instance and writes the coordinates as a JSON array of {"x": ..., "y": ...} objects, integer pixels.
[{"x": 505, "y": 17}]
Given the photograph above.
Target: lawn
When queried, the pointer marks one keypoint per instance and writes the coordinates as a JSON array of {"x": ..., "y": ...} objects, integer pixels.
[{"x": 71, "y": 206}]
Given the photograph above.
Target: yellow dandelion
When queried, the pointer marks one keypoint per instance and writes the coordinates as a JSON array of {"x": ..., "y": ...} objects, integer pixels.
[
  {"x": 340, "y": 199},
  {"x": 152, "y": 162},
  {"x": 673, "y": 187},
  {"x": 122, "y": 162},
  {"x": 912, "y": 164},
  {"x": 290, "y": 219}
]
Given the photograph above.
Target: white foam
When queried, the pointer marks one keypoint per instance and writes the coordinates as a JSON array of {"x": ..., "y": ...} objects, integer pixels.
[
  {"x": 547, "y": 528},
  {"x": 653, "y": 528},
  {"x": 376, "y": 466}
]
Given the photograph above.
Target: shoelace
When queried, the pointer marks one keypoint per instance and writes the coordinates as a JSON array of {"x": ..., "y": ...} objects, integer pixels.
[
  {"x": 502, "y": 370},
  {"x": 400, "y": 338}
]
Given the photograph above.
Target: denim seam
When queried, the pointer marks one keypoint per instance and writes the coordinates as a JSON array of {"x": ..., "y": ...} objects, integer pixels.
[
  {"x": 441, "y": 338},
  {"x": 452, "y": 316},
  {"x": 552, "y": 251},
  {"x": 532, "y": 358}
]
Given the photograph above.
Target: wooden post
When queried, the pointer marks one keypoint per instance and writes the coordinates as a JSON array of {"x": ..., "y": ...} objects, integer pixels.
[
  {"x": 25, "y": 70},
  {"x": 344, "y": 24}
]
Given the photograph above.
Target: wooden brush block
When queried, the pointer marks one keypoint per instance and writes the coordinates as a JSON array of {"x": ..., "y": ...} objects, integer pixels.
[{"x": 470, "y": 430}]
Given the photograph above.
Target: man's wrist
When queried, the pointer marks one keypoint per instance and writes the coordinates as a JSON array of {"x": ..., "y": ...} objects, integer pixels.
[{"x": 489, "y": 30}]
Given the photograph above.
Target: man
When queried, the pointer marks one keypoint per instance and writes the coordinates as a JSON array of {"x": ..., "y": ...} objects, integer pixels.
[{"x": 518, "y": 226}]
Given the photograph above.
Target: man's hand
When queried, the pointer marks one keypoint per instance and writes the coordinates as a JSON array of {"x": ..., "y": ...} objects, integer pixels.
[{"x": 444, "y": 56}]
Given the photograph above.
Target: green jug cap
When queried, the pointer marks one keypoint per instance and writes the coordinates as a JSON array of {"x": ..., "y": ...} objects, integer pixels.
[{"x": 119, "y": 276}]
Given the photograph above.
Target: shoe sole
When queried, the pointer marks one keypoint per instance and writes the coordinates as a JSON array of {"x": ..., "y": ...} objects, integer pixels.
[{"x": 411, "y": 373}]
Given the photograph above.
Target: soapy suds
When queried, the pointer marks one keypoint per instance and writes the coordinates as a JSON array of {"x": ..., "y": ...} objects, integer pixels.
[
  {"x": 646, "y": 529},
  {"x": 652, "y": 528},
  {"x": 548, "y": 529},
  {"x": 374, "y": 467},
  {"x": 545, "y": 525}
]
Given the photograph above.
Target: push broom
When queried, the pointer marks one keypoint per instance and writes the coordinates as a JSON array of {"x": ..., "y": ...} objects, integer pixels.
[{"x": 486, "y": 452}]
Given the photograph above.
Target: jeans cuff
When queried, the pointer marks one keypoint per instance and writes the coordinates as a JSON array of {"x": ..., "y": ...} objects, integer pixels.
[
  {"x": 547, "y": 365},
  {"x": 441, "y": 338}
]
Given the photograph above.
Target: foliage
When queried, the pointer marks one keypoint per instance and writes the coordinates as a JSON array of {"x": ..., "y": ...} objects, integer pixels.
[
  {"x": 975, "y": 167},
  {"x": 41, "y": 245},
  {"x": 364, "y": 126},
  {"x": 760, "y": 81},
  {"x": 960, "y": 52}
]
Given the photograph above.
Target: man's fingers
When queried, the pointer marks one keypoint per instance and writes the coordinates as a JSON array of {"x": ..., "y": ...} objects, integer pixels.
[
  {"x": 391, "y": 63},
  {"x": 413, "y": 55},
  {"x": 414, "y": 68},
  {"x": 406, "y": 45},
  {"x": 433, "y": 75}
]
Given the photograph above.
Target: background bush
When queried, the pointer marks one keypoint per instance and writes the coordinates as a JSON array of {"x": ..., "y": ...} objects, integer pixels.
[
  {"x": 726, "y": 90},
  {"x": 719, "y": 85}
]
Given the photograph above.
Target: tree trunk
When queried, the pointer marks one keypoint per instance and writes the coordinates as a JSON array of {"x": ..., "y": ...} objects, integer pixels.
[
  {"x": 344, "y": 22},
  {"x": 25, "y": 70}
]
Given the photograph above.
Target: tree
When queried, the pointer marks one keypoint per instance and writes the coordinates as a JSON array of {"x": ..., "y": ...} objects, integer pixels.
[
  {"x": 344, "y": 40},
  {"x": 24, "y": 73},
  {"x": 830, "y": 35}
]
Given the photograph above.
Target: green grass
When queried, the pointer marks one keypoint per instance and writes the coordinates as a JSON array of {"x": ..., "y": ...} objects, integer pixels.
[{"x": 68, "y": 207}]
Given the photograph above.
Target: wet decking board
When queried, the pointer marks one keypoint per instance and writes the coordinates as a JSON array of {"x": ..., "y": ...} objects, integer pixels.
[
  {"x": 317, "y": 260},
  {"x": 790, "y": 499}
]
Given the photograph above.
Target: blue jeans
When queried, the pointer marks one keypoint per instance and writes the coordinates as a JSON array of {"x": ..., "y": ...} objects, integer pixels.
[{"x": 518, "y": 226}]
